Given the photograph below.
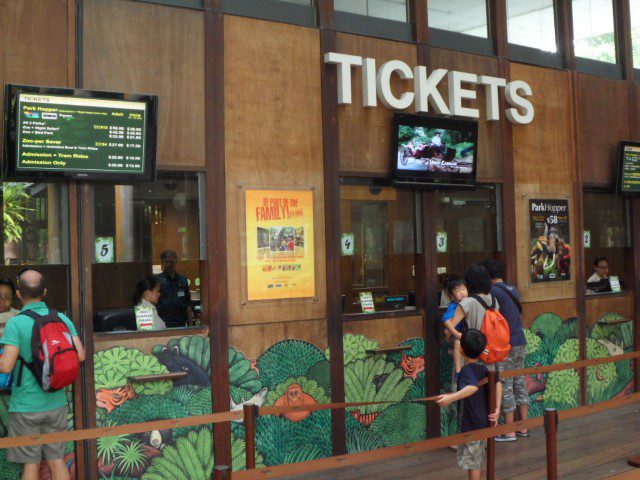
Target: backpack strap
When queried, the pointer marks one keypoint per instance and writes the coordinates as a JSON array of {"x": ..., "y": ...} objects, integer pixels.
[
  {"x": 479, "y": 299},
  {"x": 510, "y": 295},
  {"x": 30, "y": 313}
]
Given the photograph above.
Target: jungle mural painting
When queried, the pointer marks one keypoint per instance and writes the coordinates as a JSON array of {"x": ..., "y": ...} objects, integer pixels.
[{"x": 552, "y": 340}]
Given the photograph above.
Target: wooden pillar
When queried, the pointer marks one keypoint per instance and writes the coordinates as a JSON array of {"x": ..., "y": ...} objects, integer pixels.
[
  {"x": 216, "y": 288},
  {"x": 54, "y": 213},
  {"x": 331, "y": 167},
  {"x": 124, "y": 223}
]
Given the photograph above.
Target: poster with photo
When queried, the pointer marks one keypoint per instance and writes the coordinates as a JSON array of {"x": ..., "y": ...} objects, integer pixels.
[
  {"x": 280, "y": 257},
  {"x": 550, "y": 242}
]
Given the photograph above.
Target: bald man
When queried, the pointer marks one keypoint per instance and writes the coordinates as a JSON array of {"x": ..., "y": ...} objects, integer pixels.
[{"x": 33, "y": 411}]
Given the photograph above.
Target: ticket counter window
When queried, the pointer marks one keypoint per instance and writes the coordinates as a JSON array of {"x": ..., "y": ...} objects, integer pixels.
[
  {"x": 467, "y": 225},
  {"x": 378, "y": 247},
  {"x": 134, "y": 226},
  {"x": 35, "y": 232},
  {"x": 607, "y": 246}
]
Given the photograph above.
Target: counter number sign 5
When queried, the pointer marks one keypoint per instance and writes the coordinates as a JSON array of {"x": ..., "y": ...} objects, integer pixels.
[{"x": 104, "y": 252}]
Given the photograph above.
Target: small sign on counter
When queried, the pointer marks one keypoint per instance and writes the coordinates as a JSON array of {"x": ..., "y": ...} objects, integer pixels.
[{"x": 366, "y": 302}]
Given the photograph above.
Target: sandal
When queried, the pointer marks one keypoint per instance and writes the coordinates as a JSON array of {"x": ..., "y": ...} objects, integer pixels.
[
  {"x": 505, "y": 438},
  {"x": 523, "y": 434}
]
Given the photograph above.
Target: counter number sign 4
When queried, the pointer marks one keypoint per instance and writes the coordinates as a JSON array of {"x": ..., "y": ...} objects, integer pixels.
[
  {"x": 104, "y": 250},
  {"x": 347, "y": 244}
]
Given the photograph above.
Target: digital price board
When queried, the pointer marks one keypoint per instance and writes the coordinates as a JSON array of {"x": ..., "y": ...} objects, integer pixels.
[
  {"x": 61, "y": 133},
  {"x": 628, "y": 168}
]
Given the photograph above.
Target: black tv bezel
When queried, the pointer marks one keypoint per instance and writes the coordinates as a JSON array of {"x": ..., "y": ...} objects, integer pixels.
[
  {"x": 620, "y": 167},
  {"x": 432, "y": 180},
  {"x": 10, "y": 123}
]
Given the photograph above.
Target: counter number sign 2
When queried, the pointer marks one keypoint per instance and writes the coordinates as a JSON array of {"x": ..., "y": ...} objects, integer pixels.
[{"x": 104, "y": 250}]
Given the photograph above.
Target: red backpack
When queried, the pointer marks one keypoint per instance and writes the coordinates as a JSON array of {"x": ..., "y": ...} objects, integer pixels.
[
  {"x": 496, "y": 330},
  {"x": 55, "y": 362}
]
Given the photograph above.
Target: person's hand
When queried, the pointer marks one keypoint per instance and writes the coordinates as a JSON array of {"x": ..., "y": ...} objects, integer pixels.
[
  {"x": 444, "y": 400},
  {"x": 494, "y": 417},
  {"x": 447, "y": 334}
]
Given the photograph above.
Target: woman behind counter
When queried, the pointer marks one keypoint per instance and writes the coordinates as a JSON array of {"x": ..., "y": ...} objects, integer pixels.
[
  {"x": 147, "y": 295},
  {"x": 7, "y": 295}
]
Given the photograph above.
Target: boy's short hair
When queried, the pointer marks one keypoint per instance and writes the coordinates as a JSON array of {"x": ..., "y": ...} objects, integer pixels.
[
  {"x": 453, "y": 282},
  {"x": 494, "y": 267},
  {"x": 473, "y": 343}
]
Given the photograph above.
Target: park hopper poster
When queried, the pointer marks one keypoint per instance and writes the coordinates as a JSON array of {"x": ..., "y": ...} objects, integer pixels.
[
  {"x": 550, "y": 242},
  {"x": 280, "y": 256}
]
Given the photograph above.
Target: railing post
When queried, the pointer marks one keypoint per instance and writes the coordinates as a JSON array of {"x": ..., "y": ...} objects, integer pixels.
[
  {"x": 491, "y": 443},
  {"x": 250, "y": 415},
  {"x": 551, "y": 432},
  {"x": 221, "y": 472}
]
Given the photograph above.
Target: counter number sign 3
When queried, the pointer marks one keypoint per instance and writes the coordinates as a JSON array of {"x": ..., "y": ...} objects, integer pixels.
[
  {"x": 104, "y": 250},
  {"x": 441, "y": 242}
]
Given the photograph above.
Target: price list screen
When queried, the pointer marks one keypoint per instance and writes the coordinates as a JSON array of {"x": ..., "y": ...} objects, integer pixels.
[
  {"x": 80, "y": 134},
  {"x": 630, "y": 169}
]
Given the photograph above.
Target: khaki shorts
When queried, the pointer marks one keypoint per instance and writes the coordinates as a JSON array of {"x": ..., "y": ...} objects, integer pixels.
[
  {"x": 471, "y": 455},
  {"x": 33, "y": 424}
]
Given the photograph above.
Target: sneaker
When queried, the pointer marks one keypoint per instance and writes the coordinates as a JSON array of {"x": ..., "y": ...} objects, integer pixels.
[
  {"x": 523, "y": 434},
  {"x": 505, "y": 438}
]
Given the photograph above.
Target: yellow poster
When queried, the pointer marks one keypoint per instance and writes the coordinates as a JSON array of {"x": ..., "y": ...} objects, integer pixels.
[{"x": 280, "y": 257}]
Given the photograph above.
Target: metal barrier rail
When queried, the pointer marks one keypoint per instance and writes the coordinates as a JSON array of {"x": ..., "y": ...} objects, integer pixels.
[{"x": 250, "y": 413}]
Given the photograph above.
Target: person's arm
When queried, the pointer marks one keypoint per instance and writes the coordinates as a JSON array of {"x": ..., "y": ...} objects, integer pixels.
[
  {"x": 82, "y": 355},
  {"x": 458, "y": 316},
  {"x": 8, "y": 358},
  {"x": 448, "y": 398},
  {"x": 495, "y": 416},
  {"x": 449, "y": 328}
]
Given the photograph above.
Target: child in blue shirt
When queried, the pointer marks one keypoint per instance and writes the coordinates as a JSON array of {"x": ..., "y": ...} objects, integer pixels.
[{"x": 457, "y": 290}]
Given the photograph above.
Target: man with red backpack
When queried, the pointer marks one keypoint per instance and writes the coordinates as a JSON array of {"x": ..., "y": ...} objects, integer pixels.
[{"x": 43, "y": 351}]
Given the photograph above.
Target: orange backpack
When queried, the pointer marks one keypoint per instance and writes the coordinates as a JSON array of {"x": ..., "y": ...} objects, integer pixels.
[{"x": 496, "y": 330}]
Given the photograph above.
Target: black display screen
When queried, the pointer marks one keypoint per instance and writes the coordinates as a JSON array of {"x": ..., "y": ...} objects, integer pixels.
[
  {"x": 629, "y": 168},
  {"x": 79, "y": 134}
]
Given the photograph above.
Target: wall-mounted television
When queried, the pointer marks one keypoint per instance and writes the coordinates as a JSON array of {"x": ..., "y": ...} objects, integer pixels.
[
  {"x": 628, "y": 179},
  {"x": 434, "y": 152},
  {"x": 62, "y": 133}
]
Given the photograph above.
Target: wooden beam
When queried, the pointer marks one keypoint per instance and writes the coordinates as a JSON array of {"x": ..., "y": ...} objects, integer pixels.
[
  {"x": 564, "y": 27},
  {"x": 216, "y": 288},
  {"x": 624, "y": 46}
]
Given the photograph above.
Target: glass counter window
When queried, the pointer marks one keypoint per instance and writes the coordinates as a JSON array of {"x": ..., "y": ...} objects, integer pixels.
[
  {"x": 461, "y": 16},
  {"x": 634, "y": 8},
  {"x": 386, "y": 9},
  {"x": 378, "y": 247},
  {"x": 35, "y": 232},
  {"x": 147, "y": 234},
  {"x": 607, "y": 246},
  {"x": 594, "y": 30},
  {"x": 531, "y": 23}
]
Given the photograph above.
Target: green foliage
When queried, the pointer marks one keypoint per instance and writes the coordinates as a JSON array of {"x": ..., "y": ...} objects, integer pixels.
[
  {"x": 241, "y": 374},
  {"x": 184, "y": 393},
  {"x": 191, "y": 457},
  {"x": 568, "y": 329},
  {"x": 315, "y": 429},
  {"x": 417, "y": 350},
  {"x": 546, "y": 325},
  {"x": 310, "y": 387},
  {"x": 562, "y": 389},
  {"x": 273, "y": 438},
  {"x": 402, "y": 423},
  {"x": 148, "y": 408},
  {"x": 14, "y": 208},
  {"x": 113, "y": 366},
  {"x": 200, "y": 403},
  {"x": 304, "y": 453},
  {"x": 239, "y": 395},
  {"x": 239, "y": 456},
  {"x": 610, "y": 318},
  {"x": 355, "y": 347},
  {"x": 193, "y": 347},
  {"x": 289, "y": 358},
  {"x": 320, "y": 372},
  {"x": 363, "y": 440},
  {"x": 360, "y": 379},
  {"x": 418, "y": 388},
  {"x": 9, "y": 469},
  {"x": 449, "y": 420},
  {"x": 4, "y": 414},
  {"x": 534, "y": 342},
  {"x": 131, "y": 458},
  {"x": 110, "y": 447}
]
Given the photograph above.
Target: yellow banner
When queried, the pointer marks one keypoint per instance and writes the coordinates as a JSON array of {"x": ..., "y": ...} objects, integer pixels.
[{"x": 280, "y": 257}]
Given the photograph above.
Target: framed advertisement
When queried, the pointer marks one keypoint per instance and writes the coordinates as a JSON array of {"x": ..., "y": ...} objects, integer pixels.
[{"x": 550, "y": 251}]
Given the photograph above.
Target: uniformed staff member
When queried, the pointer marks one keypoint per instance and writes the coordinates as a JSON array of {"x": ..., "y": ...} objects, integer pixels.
[{"x": 174, "y": 306}]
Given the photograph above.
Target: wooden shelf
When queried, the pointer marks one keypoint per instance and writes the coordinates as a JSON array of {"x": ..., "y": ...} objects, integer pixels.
[
  {"x": 159, "y": 376},
  {"x": 389, "y": 350}
]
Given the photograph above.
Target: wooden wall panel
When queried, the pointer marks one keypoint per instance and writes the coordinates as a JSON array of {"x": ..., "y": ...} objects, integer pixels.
[
  {"x": 388, "y": 332},
  {"x": 564, "y": 308},
  {"x": 33, "y": 43},
  {"x": 273, "y": 140},
  {"x": 489, "y": 133},
  {"x": 603, "y": 116},
  {"x": 543, "y": 155},
  {"x": 365, "y": 133},
  {"x": 139, "y": 47},
  {"x": 598, "y": 305},
  {"x": 253, "y": 340}
]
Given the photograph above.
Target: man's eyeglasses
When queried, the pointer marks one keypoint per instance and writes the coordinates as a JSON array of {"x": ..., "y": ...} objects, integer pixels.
[{"x": 603, "y": 267}]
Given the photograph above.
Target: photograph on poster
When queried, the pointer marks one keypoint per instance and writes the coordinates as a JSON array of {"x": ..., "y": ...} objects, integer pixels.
[{"x": 550, "y": 240}]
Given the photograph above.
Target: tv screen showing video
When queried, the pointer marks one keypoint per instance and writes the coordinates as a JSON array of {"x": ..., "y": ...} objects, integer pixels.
[
  {"x": 438, "y": 150},
  {"x": 64, "y": 133}
]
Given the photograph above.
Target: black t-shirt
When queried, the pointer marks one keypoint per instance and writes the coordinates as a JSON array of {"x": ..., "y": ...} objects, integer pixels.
[
  {"x": 174, "y": 299},
  {"x": 474, "y": 410}
]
